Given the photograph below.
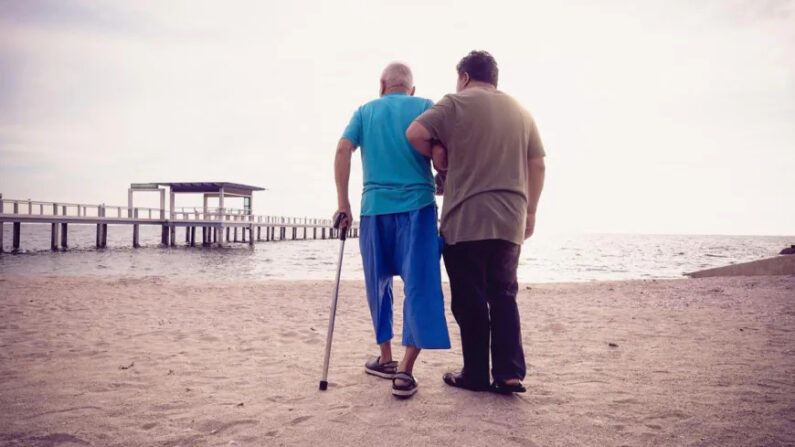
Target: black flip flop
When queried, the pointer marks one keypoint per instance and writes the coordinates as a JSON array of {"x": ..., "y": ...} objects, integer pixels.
[
  {"x": 458, "y": 380},
  {"x": 501, "y": 387},
  {"x": 404, "y": 391}
]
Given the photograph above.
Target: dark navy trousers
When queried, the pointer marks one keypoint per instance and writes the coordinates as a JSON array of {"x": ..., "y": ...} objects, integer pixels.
[{"x": 484, "y": 287}]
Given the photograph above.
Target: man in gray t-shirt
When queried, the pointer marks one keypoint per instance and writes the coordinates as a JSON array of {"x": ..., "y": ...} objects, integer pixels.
[{"x": 495, "y": 162}]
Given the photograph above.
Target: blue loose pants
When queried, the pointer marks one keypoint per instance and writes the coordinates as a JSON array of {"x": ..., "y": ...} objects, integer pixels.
[{"x": 405, "y": 244}]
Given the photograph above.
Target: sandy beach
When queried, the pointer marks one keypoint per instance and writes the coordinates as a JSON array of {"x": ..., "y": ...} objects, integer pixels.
[{"x": 118, "y": 361}]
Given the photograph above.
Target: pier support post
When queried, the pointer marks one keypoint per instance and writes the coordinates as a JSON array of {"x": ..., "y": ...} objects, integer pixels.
[
  {"x": 259, "y": 234},
  {"x": 187, "y": 235},
  {"x": 135, "y": 229},
  {"x": 227, "y": 234},
  {"x": 164, "y": 235},
  {"x": 104, "y": 235},
  {"x": 54, "y": 236},
  {"x": 99, "y": 228},
  {"x": 2, "y": 226},
  {"x": 192, "y": 231},
  {"x": 251, "y": 235},
  {"x": 16, "y": 230},
  {"x": 204, "y": 235}
]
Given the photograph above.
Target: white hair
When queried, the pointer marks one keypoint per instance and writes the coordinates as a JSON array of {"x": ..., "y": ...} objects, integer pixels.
[{"x": 397, "y": 74}]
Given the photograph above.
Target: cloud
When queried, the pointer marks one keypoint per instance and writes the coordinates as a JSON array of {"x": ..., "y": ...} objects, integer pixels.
[{"x": 77, "y": 16}]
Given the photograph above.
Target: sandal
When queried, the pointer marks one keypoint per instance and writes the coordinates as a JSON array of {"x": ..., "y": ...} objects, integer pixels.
[
  {"x": 404, "y": 390},
  {"x": 459, "y": 380},
  {"x": 383, "y": 370},
  {"x": 501, "y": 387}
]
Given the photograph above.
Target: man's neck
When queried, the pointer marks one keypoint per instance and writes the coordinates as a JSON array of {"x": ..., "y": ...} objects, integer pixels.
[
  {"x": 395, "y": 90},
  {"x": 480, "y": 84}
]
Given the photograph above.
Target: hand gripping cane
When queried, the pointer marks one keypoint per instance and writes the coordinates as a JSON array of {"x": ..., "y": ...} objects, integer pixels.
[{"x": 333, "y": 312}]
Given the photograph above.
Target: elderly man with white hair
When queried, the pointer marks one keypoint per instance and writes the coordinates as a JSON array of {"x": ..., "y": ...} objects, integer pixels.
[{"x": 398, "y": 233}]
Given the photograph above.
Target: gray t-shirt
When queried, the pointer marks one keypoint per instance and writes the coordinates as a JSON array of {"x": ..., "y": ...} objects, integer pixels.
[{"x": 489, "y": 137}]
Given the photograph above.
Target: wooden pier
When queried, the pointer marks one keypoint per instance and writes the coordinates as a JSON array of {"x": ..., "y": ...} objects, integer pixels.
[{"x": 217, "y": 226}]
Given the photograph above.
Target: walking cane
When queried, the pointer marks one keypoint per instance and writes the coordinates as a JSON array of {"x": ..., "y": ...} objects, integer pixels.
[{"x": 333, "y": 312}]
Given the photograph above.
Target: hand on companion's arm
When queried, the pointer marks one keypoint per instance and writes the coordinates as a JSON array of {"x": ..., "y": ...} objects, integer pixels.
[
  {"x": 420, "y": 138},
  {"x": 342, "y": 173},
  {"x": 439, "y": 157},
  {"x": 535, "y": 184}
]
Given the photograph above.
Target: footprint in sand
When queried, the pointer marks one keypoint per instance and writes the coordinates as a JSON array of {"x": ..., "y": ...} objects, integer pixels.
[
  {"x": 300, "y": 419},
  {"x": 523, "y": 441},
  {"x": 215, "y": 427}
]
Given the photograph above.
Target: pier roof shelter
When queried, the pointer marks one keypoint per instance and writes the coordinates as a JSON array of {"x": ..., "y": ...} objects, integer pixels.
[{"x": 218, "y": 190}]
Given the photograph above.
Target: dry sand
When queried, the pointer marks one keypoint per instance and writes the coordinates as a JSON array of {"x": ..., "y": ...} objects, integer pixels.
[{"x": 134, "y": 362}]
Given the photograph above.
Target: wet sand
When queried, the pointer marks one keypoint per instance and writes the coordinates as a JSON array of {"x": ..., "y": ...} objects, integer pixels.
[{"x": 148, "y": 361}]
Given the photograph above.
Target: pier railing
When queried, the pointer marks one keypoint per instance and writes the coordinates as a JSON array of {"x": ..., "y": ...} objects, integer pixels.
[
  {"x": 65, "y": 209},
  {"x": 218, "y": 226},
  {"x": 17, "y": 207}
]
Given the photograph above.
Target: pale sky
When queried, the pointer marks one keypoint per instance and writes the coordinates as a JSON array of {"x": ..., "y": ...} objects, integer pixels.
[{"x": 657, "y": 116}]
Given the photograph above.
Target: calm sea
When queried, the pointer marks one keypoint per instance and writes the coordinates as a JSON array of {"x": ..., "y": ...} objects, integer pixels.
[{"x": 545, "y": 258}]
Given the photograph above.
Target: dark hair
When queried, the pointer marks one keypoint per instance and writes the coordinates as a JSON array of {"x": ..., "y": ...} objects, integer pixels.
[{"x": 480, "y": 65}]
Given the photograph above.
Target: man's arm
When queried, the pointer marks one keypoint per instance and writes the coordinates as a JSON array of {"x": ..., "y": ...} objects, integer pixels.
[
  {"x": 342, "y": 174},
  {"x": 420, "y": 138},
  {"x": 535, "y": 183},
  {"x": 439, "y": 157}
]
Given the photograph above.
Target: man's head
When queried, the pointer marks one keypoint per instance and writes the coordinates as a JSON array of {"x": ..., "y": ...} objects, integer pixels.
[
  {"x": 477, "y": 66},
  {"x": 397, "y": 78}
]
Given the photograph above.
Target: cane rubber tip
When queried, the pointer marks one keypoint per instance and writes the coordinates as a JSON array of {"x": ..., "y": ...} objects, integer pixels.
[{"x": 323, "y": 385}]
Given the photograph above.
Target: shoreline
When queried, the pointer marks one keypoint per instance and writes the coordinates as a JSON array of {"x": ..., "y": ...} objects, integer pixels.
[
  {"x": 157, "y": 361},
  {"x": 330, "y": 282}
]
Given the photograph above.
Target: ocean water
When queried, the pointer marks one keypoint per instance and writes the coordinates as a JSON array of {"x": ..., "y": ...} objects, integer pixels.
[{"x": 545, "y": 257}]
